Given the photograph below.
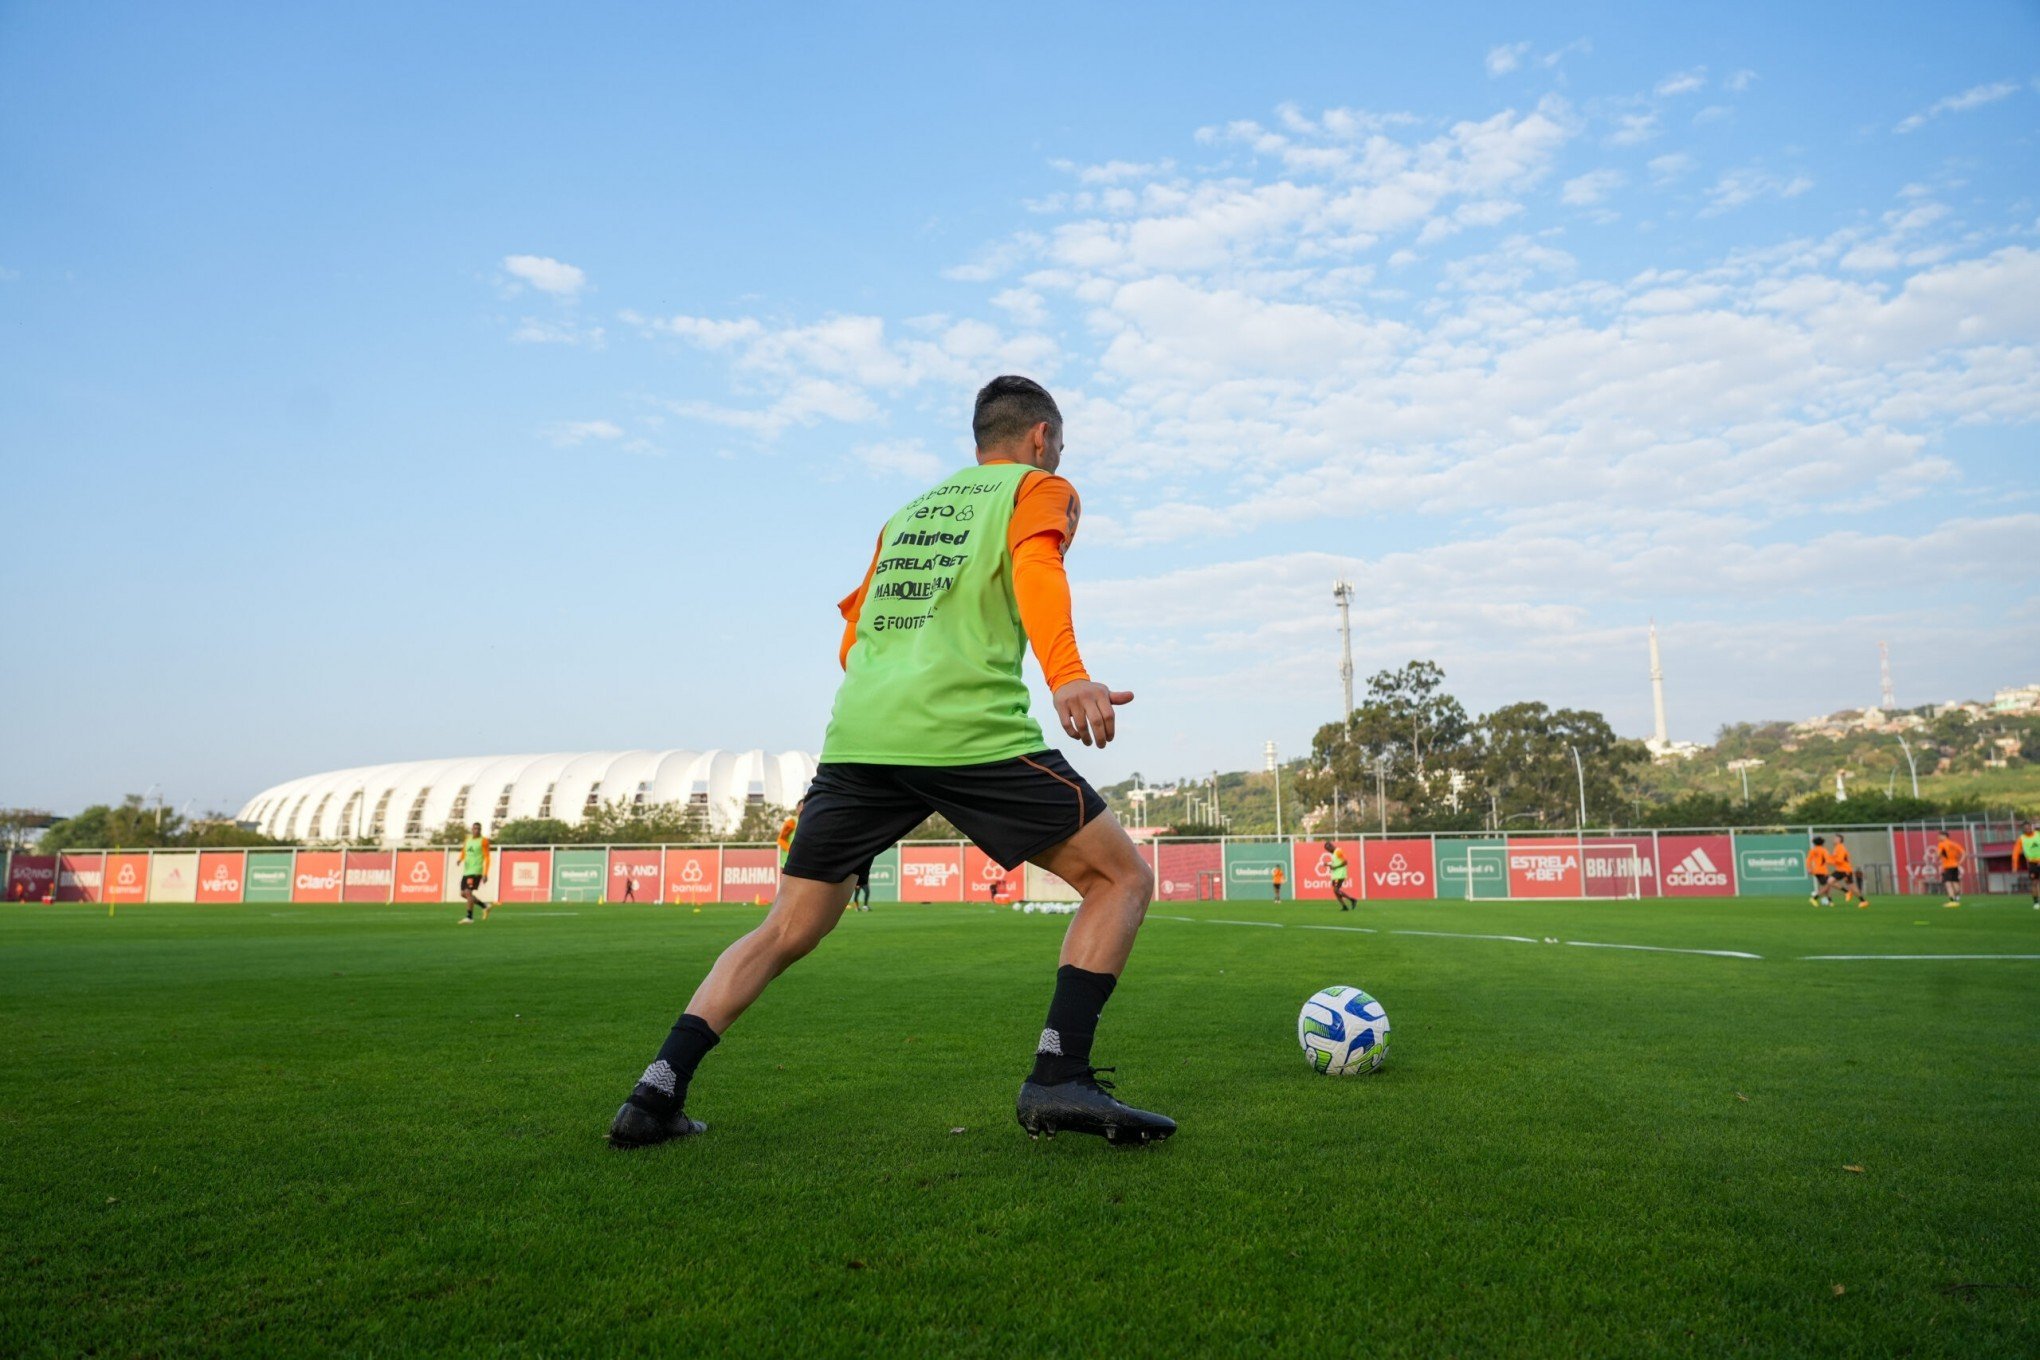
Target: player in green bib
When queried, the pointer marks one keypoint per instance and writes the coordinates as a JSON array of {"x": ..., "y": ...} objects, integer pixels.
[
  {"x": 1335, "y": 864},
  {"x": 2026, "y": 853},
  {"x": 474, "y": 872},
  {"x": 933, "y": 716}
]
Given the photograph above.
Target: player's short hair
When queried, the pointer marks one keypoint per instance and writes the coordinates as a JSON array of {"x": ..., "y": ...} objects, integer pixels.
[
  {"x": 1820, "y": 840},
  {"x": 1009, "y": 406}
]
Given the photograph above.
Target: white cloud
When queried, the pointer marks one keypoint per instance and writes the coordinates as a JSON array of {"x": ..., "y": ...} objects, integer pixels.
[
  {"x": 1684, "y": 82},
  {"x": 546, "y": 274},
  {"x": 1740, "y": 80},
  {"x": 1975, "y": 97},
  {"x": 1671, "y": 166},
  {"x": 1592, "y": 187},
  {"x": 900, "y": 458},
  {"x": 1748, "y": 184},
  {"x": 567, "y": 434},
  {"x": 1633, "y": 129},
  {"x": 536, "y": 330},
  {"x": 1504, "y": 59}
]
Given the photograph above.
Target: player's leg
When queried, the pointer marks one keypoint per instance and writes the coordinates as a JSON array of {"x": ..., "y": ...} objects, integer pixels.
[
  {"x": 851, "y": 815},
  {"x": 467, "y": 894},
  {"x": 1037, "y": 809}
]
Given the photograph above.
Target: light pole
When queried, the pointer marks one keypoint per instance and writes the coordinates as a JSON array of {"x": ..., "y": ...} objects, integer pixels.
[
  {"x": 1381, "y": 788},
  {"x": 1275, "y": 768},
  {"x": 1909, "y": 764},
  {"x": 1581, "y": 771}
]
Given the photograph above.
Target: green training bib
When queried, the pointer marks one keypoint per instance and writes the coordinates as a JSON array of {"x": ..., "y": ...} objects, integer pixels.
[
  {"x": 934, "y": 673},
  {"x": 471, "y": 856}
]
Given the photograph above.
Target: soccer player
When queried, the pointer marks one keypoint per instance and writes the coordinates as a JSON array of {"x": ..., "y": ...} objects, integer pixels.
[
  {"x": 2026, "y": 851},
  {"x": 786, "y": 830},
  {"x": 1842, "y": 869},
  {"x": 1817, "y": 865},
  {"x": 1950, "y": 855},
  {"x": 1337, "y": 864},
  {"x": 1278, "y": 879},
  {"x": 932, "y": 716},
  {"x": 474, "y": 872}
]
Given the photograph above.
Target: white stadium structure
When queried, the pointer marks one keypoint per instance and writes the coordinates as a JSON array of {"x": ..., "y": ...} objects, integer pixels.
[{"x": 400, "y": 804}]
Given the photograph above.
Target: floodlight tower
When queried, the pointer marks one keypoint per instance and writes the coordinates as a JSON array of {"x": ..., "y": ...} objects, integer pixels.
[
  {"x": 1342, "y": 591},
  {"x": 1887, "y": 699},
  {"x": 1657, "y": 686}
]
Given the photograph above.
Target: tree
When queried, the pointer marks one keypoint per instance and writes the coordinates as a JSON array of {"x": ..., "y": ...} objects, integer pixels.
[
  {"x": 130, "y": 826},
  {"x": 1406, "y": 740},
  {"x": 1527, "y": 764}
]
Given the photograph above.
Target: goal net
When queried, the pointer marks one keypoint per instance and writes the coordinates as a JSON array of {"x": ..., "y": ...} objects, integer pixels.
[{"x": 1553, "y": 870}]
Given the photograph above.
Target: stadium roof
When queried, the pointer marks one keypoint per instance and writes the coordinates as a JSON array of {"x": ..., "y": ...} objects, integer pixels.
[{"x": 396, "y": 804}]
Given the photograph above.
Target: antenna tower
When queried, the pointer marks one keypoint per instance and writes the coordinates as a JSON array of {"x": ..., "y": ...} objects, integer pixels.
[
  {"x": 1887, "y": 698},
  {"x": 1342, "y": 591}
]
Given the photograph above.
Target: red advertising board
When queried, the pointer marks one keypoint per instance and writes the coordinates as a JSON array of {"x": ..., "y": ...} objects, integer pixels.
[
  {"x": 1398, "y": 869},
  {"x": 32, "y": 877},
  {"x": 127, "y": 878},
  {"x": 1919, "y": 868},
  {"x": 1620, "y": 866},
  {"x": 931, "y": 873},
  {"x": 1545, "y": 868},
  {"x": 635, "y": 876},
  {"x": 1310, "y": 875},
  {"x": 317, "y": 878},
  {"x": 693, "y": 875},
  {"x": 369, "y": 876},
  {"x": 982, "y": 875},
  {"x": 220, "y": 875},
  {"x": 420, "y": 876},
  {"x": 748, "y": 875},
  {"x": 1190, "y": 872},
  {"x": 521, "y": 876},
  {"x": 1696, "y": 866},
  {"x": 80, "y": 877}
]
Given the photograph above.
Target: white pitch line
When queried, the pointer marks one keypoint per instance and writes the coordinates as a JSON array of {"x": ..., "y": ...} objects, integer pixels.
[
  {"x": 1357, "y": 930},
  {"x": 1828, "y": 958},
  {"x": 1665, "y": 949},
  {"x": 1450, "y": 935},
  {"x": 1218, "y": 921}
]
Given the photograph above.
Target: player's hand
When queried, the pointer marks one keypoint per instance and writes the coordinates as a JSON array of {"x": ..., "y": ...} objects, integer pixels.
[{"x": 1085, "y": 710}]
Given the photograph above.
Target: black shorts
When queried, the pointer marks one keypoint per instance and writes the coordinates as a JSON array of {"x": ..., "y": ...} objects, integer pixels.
[
  {"x": 1951, "y": 875},
  {"x": 1012, "y": 809},
  {"x": 470, "y": 882},
  {"x": 1820, "y": 880}
]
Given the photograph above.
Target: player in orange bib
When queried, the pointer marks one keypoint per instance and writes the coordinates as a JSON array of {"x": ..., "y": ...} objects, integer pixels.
[
  {"x": 1278, "y": 879},
  {"x": 1949, "y": 853},
  {"x": 1842, "y": 869},
  {"x": 1817, "y": 862}
]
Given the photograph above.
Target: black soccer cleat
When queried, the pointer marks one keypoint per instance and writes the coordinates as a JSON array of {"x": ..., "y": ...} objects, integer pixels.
[
  {"x": 1085, "y": 1105},
  {"x": 637, "y": 1127}
]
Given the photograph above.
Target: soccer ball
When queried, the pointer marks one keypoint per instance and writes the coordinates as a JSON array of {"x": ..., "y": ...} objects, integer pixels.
[{"x": 1343, "y": 1031}]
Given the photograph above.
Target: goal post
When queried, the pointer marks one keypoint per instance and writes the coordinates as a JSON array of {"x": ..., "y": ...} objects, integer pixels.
[{"x": 1557, "y": 869}]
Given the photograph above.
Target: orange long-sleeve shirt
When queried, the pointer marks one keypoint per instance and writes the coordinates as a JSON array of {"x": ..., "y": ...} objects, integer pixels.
[{"x": 1045, "y": 514}]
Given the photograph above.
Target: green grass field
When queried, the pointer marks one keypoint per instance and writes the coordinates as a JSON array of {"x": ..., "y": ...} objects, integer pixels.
[{"x": 362, "y": 1130}]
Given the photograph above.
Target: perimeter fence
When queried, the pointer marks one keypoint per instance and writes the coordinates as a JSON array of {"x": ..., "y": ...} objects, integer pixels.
[{"x": 1640, "y": 864}]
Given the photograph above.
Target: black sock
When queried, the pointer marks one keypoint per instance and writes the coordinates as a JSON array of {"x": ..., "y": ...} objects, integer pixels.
[
  {"x": 1065, "y": 1050},
  {"x": 663, "y": 1087}
]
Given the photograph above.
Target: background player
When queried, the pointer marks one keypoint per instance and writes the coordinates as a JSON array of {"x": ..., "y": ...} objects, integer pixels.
[
  {"x": 932, "y": 716},
  {"x": 787, "y": 829},
  {"x": 1817, "y": 865},
  {"x": 1278, "y": 878},
  {"x": 474, "y": 872},
  {"x": 1842, "y": 869},
  {"x": 1949, "y": 853},
  {"x": 1336, "y": 863},
  {"x": 2026, "y": 853}
]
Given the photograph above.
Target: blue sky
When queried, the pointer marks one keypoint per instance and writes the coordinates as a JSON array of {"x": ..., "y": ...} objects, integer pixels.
[{"x": 378, "y": 385}]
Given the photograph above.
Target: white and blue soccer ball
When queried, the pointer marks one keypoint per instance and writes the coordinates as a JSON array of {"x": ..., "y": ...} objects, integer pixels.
[{"x": 1344, "y": 1032}]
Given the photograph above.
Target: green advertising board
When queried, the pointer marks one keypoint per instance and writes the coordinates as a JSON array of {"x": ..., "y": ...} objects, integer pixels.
[
  {"x": 1250, "y": 869},
  {"x": 579, "y": 875},
  {"x": 1770, "y": 865},
  {"x": 1472, "y": 867},
  {"x": 885, "y": 876},
  {"x": 268, "y": 877}
]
